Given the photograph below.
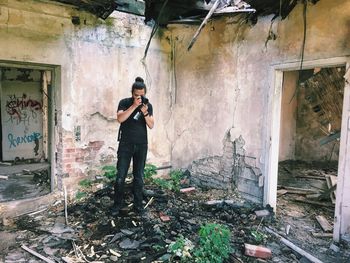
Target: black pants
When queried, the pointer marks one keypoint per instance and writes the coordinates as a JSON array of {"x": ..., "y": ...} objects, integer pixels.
[{"x": 138, "y": 153}]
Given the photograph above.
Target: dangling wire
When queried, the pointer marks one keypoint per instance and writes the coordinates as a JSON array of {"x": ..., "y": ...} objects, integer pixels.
[{"x": 154, "y": 30}]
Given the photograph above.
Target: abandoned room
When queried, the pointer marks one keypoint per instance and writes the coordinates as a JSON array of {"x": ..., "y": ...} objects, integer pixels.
[{"x": 248, "y": 159}]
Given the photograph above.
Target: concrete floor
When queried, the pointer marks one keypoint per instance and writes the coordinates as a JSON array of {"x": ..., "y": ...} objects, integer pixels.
[{"x": 24, "y": 181}]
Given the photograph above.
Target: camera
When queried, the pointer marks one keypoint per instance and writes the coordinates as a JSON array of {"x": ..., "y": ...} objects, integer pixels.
[
  {"x": 138, "y": 114},
  {"x": 144, "y": 100}
]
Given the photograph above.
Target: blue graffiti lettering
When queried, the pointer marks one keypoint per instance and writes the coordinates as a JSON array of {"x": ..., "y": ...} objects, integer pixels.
[{"x": 15, "y": 141}]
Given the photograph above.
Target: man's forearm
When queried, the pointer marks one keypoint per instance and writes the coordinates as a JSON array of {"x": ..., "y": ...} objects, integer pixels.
[
  {"x": 124, "y": 115},
  {"x": 149, "y": 121}
]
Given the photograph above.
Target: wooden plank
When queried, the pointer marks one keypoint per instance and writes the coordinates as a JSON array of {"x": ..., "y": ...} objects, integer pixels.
[
  {"x": 307, "y": 191},
  {"x": 210, "y": 13},
  {"x": 37, "y": 254},
  {"x": 314, "y": 202},
  {"x": 331, "y": 181},
  {"x": 324, "y": 223},
  {"x": 330, "y": 138},
  {"x": 294, "y": 247},
  {"x": 311, "y": 177},
  {"x": 326, "y": 235},
  {"x": 281, "y": 192}
]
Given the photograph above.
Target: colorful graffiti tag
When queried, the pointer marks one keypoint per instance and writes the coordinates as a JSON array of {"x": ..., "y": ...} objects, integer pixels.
[{"x": 22, "y": 109}]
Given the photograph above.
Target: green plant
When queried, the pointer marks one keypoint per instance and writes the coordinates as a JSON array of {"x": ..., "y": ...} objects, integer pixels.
[
  {"x": 163, "y": 183},
  {"x": 79, "y": 195},
  {"x": 181, "y": 248},
  {"x": 85, "y": 183},
  {"x": 214, "y": 244},
  {"x": 258, "y": 236},
  {"x": 172, "y": 184},
  {"x": 149, "y": 171},
  {"x": 110, "y": 171},
  {"x": 157, "y": 247}
]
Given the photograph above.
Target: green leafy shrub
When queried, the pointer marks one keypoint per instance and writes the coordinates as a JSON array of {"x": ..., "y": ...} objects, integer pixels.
[
  {"x": 163, "y": 183},
  {"x": 110, "y": 171},
  {"x": 85, "y": 183},
  {"x": 214, "y": 244},
  {"x": 79, "y": 195},
  {"x": 149, "y": 171},
  {"x": 172, "y": 184},
  {"x": 181, "y": 248}
]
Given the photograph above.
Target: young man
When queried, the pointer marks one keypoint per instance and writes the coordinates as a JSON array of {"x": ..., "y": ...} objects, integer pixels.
[{"x": 134, "y": 114}]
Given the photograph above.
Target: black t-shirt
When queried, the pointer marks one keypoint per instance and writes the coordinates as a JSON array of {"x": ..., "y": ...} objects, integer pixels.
[{"x": 134, "y": 131}]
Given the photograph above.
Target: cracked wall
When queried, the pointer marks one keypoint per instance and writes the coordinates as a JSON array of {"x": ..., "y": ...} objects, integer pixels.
[
  {"x": 226, "y": 80},
  {"x": 98, "y": 61},
  {"x": 233, "y": 170}
]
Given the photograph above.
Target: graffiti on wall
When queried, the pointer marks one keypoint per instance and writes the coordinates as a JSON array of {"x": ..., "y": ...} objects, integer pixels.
[
  {"x": 22, "y": 109},
  {"x": 15, "y": 140}
]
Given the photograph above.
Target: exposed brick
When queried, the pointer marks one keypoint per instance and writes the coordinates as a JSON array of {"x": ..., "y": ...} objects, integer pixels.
[
  {"x": 257, "y": 251},
  {"x": 164, "y": 217},
  {"x": 187, "y": 190},
  {"x": 69, "y": 150},
  {"x": 68, "y": 160}
]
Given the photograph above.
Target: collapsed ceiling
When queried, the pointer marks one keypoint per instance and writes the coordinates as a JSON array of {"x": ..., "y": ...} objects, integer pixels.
[{"x": 185, "y": 11}]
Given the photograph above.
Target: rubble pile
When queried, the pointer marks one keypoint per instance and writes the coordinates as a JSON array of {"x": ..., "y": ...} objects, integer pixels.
[{"x": 87, "y": 231}]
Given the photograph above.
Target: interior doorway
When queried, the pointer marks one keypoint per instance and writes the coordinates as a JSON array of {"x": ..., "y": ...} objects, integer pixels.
[
  {"x": 24, "y": 105},
  {"x": 310, "y": 128},
  {"x": 341, "y": 222}
]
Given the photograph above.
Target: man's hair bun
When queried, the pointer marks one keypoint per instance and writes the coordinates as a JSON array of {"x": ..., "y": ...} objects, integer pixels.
[{"x": 139, "y": 79}]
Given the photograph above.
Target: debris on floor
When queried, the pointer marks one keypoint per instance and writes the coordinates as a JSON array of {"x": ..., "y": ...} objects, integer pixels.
[{"x": 176, "y": 227}]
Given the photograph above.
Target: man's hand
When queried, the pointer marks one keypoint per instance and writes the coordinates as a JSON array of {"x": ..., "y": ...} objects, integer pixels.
[{"x": 144, "y": 109}]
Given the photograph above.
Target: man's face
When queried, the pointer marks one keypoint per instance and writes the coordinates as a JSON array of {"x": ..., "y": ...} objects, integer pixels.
[{"x": 138, "y": 93}]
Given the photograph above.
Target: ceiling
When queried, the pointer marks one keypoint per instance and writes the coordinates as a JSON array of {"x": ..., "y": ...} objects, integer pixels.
[{"x": 185, "y": 11}]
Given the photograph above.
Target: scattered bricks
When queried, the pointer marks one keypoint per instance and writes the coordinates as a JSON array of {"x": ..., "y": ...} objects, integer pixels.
[
  {"x": 257, "y": 251},
  {"x": 164, "y": 217},
  {"x": 187, "y": 190},
  {"x": 262, "y": 213}
]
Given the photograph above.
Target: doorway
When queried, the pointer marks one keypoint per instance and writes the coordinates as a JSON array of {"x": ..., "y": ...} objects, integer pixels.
[
  {"x": 341, "y": 220},
  {"x": 24, "y": 104}
]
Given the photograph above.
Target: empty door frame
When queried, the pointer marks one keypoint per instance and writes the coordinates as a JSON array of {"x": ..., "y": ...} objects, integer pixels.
[
  {"x": 53, "y": 106},
  {"x": 342, "y": 208}
]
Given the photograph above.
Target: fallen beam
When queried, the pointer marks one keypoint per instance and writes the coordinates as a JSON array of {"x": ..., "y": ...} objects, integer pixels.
[
  {"x": 37, "y": 254},
  {"x": 205, "y": 21},
  {"x": 294, "y": 247}
]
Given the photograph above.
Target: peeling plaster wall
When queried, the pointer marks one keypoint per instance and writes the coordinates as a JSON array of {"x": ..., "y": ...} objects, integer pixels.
[
  {"x": 223, "y": 83},
  {"x": 98, "y": 62}
]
